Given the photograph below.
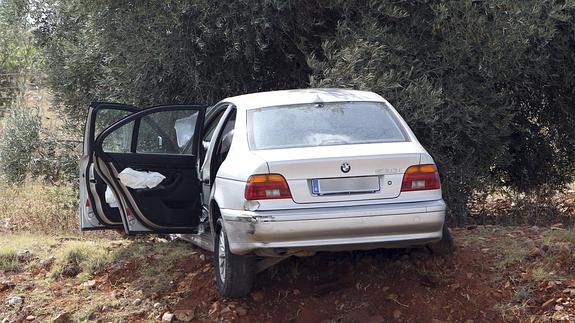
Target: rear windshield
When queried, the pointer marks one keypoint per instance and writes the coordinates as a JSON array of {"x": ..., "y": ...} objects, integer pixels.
[{"x": 323, "y": 124}]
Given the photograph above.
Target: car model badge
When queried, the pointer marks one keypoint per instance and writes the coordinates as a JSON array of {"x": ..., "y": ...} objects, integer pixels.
[{"x": 345, "y": 167}]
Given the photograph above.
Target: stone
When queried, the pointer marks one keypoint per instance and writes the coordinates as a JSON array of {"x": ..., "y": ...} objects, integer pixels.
[
  {"x": 62, "y": 318},
  {"x": 184, "y": 315},
  {"x": 534, "y": 252},
  {"x": 6, "y": 284},
  {"x": 24, "y": 255},
  {"x": 215, "y": 307},
  {"x": 241, "y": 311},
  {"x": 137, "y": 301},
  {"x": 257, "y": 296},
  {"x": 168, "y": 317},
  {"x": 396, "y": 314},
  {"x": 548, "y": 302},
  {"x": 14, "y": 300},
  {"x": 157, "y": 305},
  {"x": 48, "y": 261},
  {"x": 89, "y": 284},
  {"x": 30, "y": 318},
  {"x": 225, "y": 310}
]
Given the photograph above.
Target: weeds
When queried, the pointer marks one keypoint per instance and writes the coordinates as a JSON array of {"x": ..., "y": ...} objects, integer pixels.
[
  {"x": 34, "y": 207},
  {"x": 9, "y": 261},
  {"x": 11, "y": 245},
  {"x": 514, "y": 250},
  {"x": 80, "y": 257}
]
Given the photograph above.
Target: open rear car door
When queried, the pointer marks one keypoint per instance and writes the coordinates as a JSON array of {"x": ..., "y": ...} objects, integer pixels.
[
  {"x": 164, "y": 141},
  {"x": 95, "y": 213}
]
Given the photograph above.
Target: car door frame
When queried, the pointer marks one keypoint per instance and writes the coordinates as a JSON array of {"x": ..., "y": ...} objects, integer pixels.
[
  {"x": 129, "y": 208},
  {"x": 87, "y": 182}
]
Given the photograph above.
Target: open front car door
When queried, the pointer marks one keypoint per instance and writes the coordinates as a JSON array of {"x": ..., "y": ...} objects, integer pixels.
[{"x": 154, "y": 178}]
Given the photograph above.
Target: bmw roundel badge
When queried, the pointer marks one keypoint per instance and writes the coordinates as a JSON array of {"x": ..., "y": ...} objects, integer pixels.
[{"x": 345, "y": 167}]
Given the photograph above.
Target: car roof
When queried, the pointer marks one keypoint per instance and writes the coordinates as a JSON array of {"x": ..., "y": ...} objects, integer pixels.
[{"x": 300, "y": 96}]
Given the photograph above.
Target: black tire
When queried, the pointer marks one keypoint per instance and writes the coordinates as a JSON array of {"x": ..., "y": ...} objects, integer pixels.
[
  {"x": 445, "y": 246},
  {"x": 239, "y": 271}
]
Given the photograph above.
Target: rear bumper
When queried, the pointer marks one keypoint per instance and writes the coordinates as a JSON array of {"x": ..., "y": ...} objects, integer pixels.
[{"x": 301, "y": 231}]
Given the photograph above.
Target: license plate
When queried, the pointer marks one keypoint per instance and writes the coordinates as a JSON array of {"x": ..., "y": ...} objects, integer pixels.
[{"x": 346, "y": 185}]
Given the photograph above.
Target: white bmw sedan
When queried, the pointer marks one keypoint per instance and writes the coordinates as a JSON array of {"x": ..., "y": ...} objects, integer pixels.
[{"x": 264, "y": 176}]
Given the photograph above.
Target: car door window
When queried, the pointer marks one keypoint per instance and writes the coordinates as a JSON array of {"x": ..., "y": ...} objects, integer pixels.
[
  {"x": 224, "y": 143},
  {"x": 209, "y": 131},
  {"x": 120, "y": 141},
  {"x": 166, "y": 132},
  {"x": 105, "y": 118}
]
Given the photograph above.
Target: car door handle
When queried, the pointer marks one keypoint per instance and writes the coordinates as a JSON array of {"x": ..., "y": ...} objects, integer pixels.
[{"x": 206, "y": 181}]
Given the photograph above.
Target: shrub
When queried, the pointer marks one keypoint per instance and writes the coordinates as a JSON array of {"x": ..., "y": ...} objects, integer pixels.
[
  {"x": 56, "y": 158},
  {"x": 34, "y": 207},
  {"x": 9, "y": 261},
  {"x": 18, "y": 143},
  {"x": 468, "y": 78}
]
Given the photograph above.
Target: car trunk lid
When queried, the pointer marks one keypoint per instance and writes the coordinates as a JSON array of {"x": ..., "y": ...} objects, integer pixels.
[{"x": 344, "y": 172}]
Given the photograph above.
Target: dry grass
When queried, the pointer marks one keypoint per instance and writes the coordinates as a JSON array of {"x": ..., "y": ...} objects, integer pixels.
[
  {"x": 34, "y": 207},
  {"x": 11, "y": 245}
]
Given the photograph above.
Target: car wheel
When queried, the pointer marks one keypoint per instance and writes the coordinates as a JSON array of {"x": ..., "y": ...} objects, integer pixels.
[
  {"x": 445, "y": 246},
  {"x": 234, "y": 274}
]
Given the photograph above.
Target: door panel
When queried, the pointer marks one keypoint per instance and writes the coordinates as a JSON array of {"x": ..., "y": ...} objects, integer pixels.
[
  {"x": 95, "y": 213},
  {"x": 170, "y": 203},
  {"x": 161, "y": 143}
]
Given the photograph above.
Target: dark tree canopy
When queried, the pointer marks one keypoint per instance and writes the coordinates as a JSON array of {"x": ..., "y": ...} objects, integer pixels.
[{"x": 486, "y": 85}]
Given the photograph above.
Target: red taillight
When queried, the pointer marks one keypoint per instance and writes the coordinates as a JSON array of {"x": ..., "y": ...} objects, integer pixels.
[
  {"x": 420, "y": 178},
  {"x": 266, "y": 187},
  {"x": 87, "y": 202}
]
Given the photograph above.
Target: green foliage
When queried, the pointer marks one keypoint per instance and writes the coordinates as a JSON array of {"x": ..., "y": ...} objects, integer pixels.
[
  {"x": 487, "y": 85},
  {"x": 472, "y": 78},
  {"x": 56, "y": 158},
  {"x": 28, "y": 149},
  {"x": 9, "y": 261},
  {"x": 18, "y": 56},
  {"x": 18, "y": 143},
  {"x": 173, "y": 51}
]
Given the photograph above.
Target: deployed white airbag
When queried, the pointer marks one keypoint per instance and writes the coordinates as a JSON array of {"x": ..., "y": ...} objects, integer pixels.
[
  {"x": 111, "y": 198},
  {"x": 140, "y": 179}
]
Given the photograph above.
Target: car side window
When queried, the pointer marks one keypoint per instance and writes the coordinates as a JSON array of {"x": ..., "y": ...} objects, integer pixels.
[
  {"x": 209, "y": 131},
  {"x": 166, "y": 132},
  {"x": 226, "y": 138},
  {"x": 120, "y": 141},
  {"x": 162, "y": 132}
]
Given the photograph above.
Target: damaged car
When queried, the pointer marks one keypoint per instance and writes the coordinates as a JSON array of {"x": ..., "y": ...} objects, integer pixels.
[{"x": 260, "y": 177}]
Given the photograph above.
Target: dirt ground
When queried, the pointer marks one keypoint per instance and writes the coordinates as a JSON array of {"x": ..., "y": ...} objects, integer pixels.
[{"x": 497, "y": 274}]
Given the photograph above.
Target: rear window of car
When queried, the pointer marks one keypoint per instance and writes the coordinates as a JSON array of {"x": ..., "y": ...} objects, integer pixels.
[{"x": 323, "y": 124}]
